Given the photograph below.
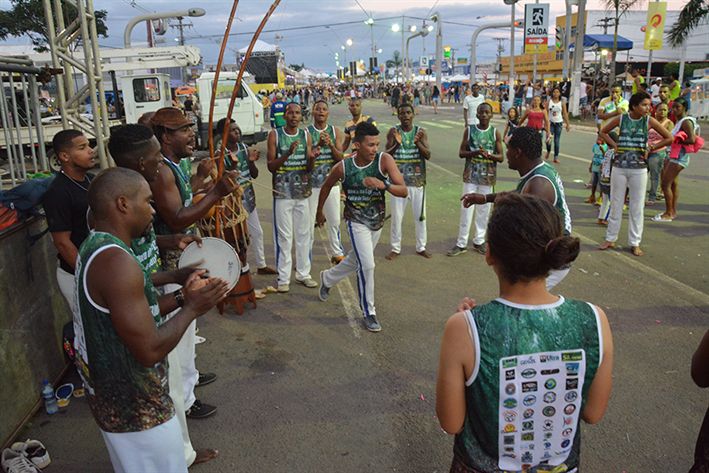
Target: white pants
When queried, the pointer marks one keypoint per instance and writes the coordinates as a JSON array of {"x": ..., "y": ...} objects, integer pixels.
[
  {"x": 556, "y": 276},
  {"x": 605, "y": 208},
  {"x": 636, "y": 181},
  {"x": 256, "y": 237},
  {"x": 184, "y": 354},
  {"x": 156, "y": 450},
  {"x": 482, "y": 212},
  {"x": 174, "y": 378},
  {"x": 290, "y": 214},
  {"x": 67, "y": 286},
  {"x": 331, "y": 209},
  {"x": 418, "y": 208},
  {"x": 361, "y": 260}
]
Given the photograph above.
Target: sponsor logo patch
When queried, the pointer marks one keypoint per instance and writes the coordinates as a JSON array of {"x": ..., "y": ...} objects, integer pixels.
[
  {"x": 529, "y": 400},
  {"x": 550, "y": 383},
  {"x": 549, "y": 411},
  {"x": 529, "y": 386}
]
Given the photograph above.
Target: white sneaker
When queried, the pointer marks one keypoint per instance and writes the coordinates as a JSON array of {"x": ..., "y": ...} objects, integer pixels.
[
  {"x": 35, "y": 451},
  {"x": 15, "y": 462},
  {"x": 307, "y": 282},
  {"x": 283, "y": 288}
]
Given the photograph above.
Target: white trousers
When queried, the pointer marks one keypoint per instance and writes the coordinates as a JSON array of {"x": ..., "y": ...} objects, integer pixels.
[
  {"x": 418, "y": 209},
  {"x": 360, "y": 260},
  {"x": 185, "y": 355},
  {"x": 605, "y": 208},
  {"x": 331, "y": 209},
  {"x": 67, "y": 286},
  {"x": 291, "y": 216},
  {"x": 156, "y": 450},
  {"x": 174, "y": 378},
  {"x": 482, "y": 212},
  {"x": 256, "y": 236},
  {"x": 636, "y": 181}
]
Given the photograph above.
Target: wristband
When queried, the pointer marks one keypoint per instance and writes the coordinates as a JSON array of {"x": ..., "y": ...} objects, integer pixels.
[
  {"x": 387, "y": 185},
  {"x": 179, "y": 297}
]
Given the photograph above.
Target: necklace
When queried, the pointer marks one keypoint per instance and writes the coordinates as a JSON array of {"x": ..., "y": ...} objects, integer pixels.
[{"x": 75, "y": 182}]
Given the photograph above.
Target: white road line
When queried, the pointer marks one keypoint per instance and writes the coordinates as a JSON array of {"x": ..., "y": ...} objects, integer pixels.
[
  {"x": 435, "y": 125},
  {"x": 700, "y": 297},
  {"x": 347, "y": 293},
  {"x": 453, "y": 122}
]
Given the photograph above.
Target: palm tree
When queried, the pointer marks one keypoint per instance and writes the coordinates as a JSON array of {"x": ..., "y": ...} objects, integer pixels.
[
  {"x": 618, "y": 7},
  {"x": 394, "y": 62},
  {"x": 693, "y": 13}
]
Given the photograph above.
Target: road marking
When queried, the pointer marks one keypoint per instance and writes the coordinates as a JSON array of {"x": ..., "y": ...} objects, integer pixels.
[
  {"x": 576, "y": 158},
  {"x": 453, "y": 122},
  {"x": 701, "y": 297},
  {"x": 346, "y": 291},
  {"x": 435, "y": 125}
]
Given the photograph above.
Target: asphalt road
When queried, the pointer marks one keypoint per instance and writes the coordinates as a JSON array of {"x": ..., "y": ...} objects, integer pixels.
[{"x": 303, "y": 387}]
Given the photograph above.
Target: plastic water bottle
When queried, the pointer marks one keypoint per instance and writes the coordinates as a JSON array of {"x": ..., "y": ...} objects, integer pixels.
[{"x": 50, "y": 402}]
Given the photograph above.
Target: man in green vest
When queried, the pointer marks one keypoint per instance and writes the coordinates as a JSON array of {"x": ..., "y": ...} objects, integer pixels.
[
  {"x": 135, "y": 147},
  {"x": 408, "y": 144},
  {"x": 537, "y": 177},
  {"x": 172, "y": 192},
  {"x": 121, "y": 337},
  {"x": 290, "y": 160},
  {"x": 366, "y": 177}
]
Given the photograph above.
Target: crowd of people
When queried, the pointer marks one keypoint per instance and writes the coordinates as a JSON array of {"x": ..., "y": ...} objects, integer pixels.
[{"x": 513, "y": 403}]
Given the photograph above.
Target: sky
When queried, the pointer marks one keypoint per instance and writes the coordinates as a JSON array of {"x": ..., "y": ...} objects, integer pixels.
[{"x": 315, "y": 45}]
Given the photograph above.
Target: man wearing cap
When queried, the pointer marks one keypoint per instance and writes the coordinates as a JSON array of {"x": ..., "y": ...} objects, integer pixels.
[
  {"x": 278, "y": 110},
  {"x": 355, "y": 106},
  {"x": 175, "y": 213}
]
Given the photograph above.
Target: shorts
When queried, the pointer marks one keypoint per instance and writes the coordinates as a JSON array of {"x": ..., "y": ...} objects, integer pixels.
[
  {"x": 518, "y": 102},
  {"x": 683, "y": 159},
  {"x": 436, "y": 100},
  {"x": 583, "y": 101}
]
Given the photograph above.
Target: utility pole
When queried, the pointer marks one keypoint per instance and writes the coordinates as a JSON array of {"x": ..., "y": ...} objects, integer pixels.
[
  {"x": 500, "y": 50},
  {"x": 181, "y": 25},
  {"x": 605, "y": 23},
  {"x": 578, "y": 58},
  {"x": 567, "y": 39}
]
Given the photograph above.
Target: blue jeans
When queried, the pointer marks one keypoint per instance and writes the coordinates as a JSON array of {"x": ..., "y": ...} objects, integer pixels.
[
  {"x": 654, "y": 164},
  {"x": 555, "y": 129}
]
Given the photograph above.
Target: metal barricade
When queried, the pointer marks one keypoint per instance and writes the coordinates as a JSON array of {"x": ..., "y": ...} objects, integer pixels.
[{"x": 22, "y": 144}]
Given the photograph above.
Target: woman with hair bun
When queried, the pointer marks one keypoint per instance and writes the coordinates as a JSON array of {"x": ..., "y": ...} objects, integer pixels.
[{"x": 517, "y": 374}]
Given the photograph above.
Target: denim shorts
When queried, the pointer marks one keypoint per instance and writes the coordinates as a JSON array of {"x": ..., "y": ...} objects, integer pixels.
[{"x": 683, "y": 159}]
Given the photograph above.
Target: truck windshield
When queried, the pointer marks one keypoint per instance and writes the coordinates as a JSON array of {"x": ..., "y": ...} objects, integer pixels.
[{"x": 146, "y": 89}]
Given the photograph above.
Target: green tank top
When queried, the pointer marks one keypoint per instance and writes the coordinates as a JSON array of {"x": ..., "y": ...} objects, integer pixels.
[
  {"x": 124, "y": 396},
  {"x": 632, "y": 143},
  {"x": 146, "y": 251},
  {"x": 408, "y": 158},
  {"x": 534, "y": 367},
  {"x": 363, "y": 205},
  {"x": 240, "y": 162},
  {"x": 480, "y": 170},
  {"x": 292, "y": 180},
  {"x": 323, "y": 163},
  {"x": 548, "y": 172},
  {"x": 182, "y": 173}
]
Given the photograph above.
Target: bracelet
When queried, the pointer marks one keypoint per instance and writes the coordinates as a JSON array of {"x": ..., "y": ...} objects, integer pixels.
[
  {"x": 387, "y": 185},
  {"x": 179, "y": 297}
]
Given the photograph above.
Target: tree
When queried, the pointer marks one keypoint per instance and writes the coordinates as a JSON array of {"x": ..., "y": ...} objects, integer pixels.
[
  {"x": 26, "y": 18},
  {"x": 297, "y": 67},
  {"x": 691, "y": 15},
  {"x": 618, "y": 7},
  {"x": 394, "y": 62}
]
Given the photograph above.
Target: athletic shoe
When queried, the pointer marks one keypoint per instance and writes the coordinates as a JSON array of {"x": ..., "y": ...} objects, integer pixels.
[
  {"x": 200, "y": 410},
  {"x": 324, "y": 292},
  {"x": 307, "y": 282},
  {"x": 482, "y": 249},
  {"x": 35, "y": 451},
  {"x": 15, "y": 462},
  {"x": 456, "y": 250},
  {"x": 337, "y": 259},
  {"x": 372, "y": 324},
  {"x": 206, "y": 378},
  {"x": 266, "y": 270},
  {"x": 283, "y": 288}
]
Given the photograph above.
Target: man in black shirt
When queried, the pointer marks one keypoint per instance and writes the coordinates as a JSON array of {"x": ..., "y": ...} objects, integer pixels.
[{"x": 66, "y": 203}]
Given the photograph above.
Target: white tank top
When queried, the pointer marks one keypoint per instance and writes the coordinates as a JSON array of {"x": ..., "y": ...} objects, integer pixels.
[{"x": 555, "y": 115}]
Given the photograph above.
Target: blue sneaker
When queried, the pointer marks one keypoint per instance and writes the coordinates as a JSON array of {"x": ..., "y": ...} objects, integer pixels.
[
  {"x": 324, "y": 292},
  {"x": 372, "y": 324}
]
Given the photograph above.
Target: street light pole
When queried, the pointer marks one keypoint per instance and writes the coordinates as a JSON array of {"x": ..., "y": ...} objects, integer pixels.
[
  {"x": 473, "y": 44},
  {"x": 510, "y": 86},
  {"x": 439, "y": 48}
]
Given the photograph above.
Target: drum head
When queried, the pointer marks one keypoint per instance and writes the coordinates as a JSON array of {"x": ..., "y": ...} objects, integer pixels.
[{"x": 216, "y": 256}]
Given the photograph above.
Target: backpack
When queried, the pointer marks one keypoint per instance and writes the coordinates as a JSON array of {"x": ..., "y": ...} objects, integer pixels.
[{"x": 26, "y": 197}]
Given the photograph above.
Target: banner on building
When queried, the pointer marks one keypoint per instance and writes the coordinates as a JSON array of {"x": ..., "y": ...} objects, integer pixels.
[
  {"x": 536, "y": 26},
  {"x": 423, "y": 61},
  {"x": 654, "y": 30}
]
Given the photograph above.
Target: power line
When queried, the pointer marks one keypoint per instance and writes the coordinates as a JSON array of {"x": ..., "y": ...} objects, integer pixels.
[{"x": 362, "y": 8}]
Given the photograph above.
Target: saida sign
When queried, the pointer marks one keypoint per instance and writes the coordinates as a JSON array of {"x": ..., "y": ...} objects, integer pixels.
[{"x": 536, "y": 28}]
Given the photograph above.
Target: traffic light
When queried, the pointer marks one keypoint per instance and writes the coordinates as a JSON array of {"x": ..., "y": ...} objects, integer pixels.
[
  {"x": 447, "y": 52},
  {"x": 559, "y": 38},
  {"x": 353, "y": 68},
  {"x": 373, "y": 66}
]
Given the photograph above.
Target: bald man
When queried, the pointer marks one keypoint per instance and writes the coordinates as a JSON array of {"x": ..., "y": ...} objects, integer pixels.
[{"x": 121, "y": 337}]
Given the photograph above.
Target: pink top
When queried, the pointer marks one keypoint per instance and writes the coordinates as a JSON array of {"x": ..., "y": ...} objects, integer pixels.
[
  {"x": 654, "y": 137},
  {"x": 535, "y": 120}
]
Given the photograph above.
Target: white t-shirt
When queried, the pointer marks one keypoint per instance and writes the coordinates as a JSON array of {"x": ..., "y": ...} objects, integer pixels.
[
  {"x": 470, "y": 104},
  {"x": 555, "y": 112},
  {"x": 582, "y": 89},
  {"x": 655, "y": 94}
]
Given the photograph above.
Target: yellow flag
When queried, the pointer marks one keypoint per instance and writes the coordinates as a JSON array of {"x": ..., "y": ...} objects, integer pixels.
[{"x": 655, "y": 28}]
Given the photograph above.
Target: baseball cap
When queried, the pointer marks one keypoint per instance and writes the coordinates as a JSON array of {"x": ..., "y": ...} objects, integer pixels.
[
  {"x": 170, "y": 118},
  {"x": 279, "y": 95}
]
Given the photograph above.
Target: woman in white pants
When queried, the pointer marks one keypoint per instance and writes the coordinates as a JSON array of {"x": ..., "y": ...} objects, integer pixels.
[{"x": 630, "y": 168}]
